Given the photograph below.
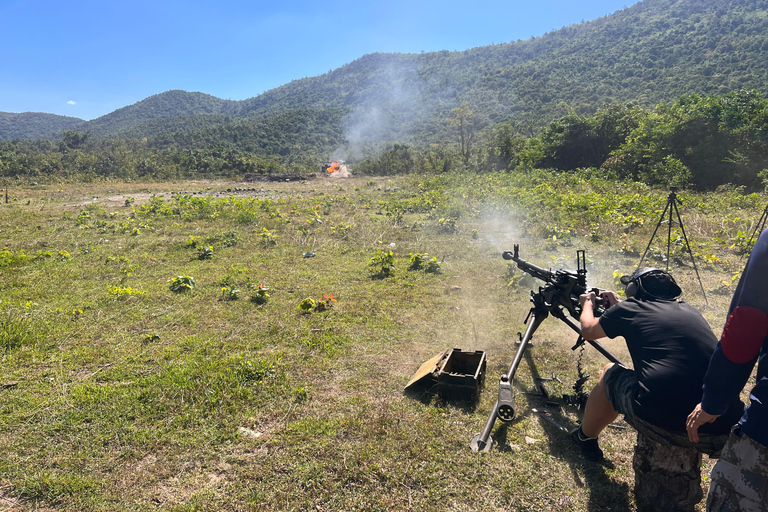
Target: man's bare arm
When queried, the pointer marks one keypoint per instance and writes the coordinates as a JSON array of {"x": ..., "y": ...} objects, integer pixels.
[{"x": 590, "y": 326}]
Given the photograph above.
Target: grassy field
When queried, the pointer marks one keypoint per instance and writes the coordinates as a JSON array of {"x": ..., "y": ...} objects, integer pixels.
[{"x": 118, "y": 393}]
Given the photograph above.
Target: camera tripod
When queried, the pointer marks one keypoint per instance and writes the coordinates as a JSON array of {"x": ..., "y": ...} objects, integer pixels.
[
  {"x": 759, "y": 227},
  {"x": 672, "y": 202}
]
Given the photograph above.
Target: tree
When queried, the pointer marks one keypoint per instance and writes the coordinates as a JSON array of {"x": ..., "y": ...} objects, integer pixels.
[{"x": 465, "y": 122}]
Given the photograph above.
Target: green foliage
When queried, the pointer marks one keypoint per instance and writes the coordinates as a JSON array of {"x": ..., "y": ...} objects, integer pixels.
[
  {"x": 120, "y": 292},
  {"x": 230, "y": 293},
  {"x": 9, "y": 258},
  {"x": 433, "y": 266},
  {"x": 307, "y": 305},
  {"x": 16, "y": 330},
  {"x": 420, "y": 261},
  {"x": 151, "y": 337},
  {"x": 205, "y": 252},
  {"x": 260, "y": 294},
  {"x": 417, "y": 261},
  {"x": 325, "y": 303},
  {"x": 248, "y": 372},
  {"x": 268, "y": 239},
  {"x": 383, "y": 262},
  {"x": 181, "y": 284}
]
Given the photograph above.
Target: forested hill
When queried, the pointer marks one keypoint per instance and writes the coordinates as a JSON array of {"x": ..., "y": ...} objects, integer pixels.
[
  {"x": 654, "y": 51},
  {"x": 34, "y": 125}
]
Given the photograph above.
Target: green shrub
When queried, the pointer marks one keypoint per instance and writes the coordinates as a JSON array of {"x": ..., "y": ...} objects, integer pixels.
[{"x": 181, "y": 284}]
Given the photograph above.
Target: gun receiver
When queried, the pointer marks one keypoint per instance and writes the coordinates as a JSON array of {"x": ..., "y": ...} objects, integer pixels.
[{"x": 560, "y": 294}]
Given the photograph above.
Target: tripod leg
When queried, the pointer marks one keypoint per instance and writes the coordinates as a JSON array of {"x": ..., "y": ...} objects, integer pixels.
[
  {"x": 693, "y": 261},
  {"x": 504, "y": 408},
  {"x": 669, "y": 227},
  {"x": 661, "y": 219},
  {"x": 758, "y": 227}
]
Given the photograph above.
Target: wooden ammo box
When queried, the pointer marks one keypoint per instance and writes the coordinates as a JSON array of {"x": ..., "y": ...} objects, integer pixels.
[{"x": 452, "y": 374}]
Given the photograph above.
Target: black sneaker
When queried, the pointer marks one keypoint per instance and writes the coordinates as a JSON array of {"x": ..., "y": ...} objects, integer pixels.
[{"x": 589, "y": 448}]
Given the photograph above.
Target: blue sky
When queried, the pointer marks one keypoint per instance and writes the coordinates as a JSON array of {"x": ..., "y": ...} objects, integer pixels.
[{"x": 86, "y": 59}]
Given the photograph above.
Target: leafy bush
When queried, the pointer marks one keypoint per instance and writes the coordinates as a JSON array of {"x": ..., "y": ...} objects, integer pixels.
[
  {"x": 260, "y": 294},
  {"x": 384, "y": 262},
  {"x": 307, "y": 305},
  {"x": 181, "y": 284}
]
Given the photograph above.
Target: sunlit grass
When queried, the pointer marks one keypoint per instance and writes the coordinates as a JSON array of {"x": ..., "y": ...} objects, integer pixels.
[{"x": 120, "y": 394}]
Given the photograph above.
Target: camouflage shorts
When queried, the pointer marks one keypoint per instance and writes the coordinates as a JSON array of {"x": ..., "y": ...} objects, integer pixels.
[
  {"x": 621, "y": 388},
  {"x": 739, "y": 480}
]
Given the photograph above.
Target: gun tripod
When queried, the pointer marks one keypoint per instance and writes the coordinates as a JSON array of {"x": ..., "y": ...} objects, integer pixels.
[{"x": 672, "y": 202}]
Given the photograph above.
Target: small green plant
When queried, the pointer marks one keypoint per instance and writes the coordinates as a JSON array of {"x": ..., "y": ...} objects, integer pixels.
[
  {"x": 433, "y": 266},
  {"x": 558, "y": 235},
  {"x": 475, "y": 234},
  {"x": 267, "y": 238},
  {"x": 307, "y": 305},
  {"x": 254, "y": 372},
  {"x": 260, "y": 294},
  {"x": 324, "y": 303},
  {"x": 151, "y": 337},
  {"x": 384, "y": 262},
  {"x": 83, "y": 218},
  {"x": 341, "y": 230},
  {"x": 119, "y": 292},
  {"x": 194, "y": 242},
  {"x": 300, "y": 394},
  {"x": 417, "y": 260},
  {"x": 230, "y": 293},
  {"x": 205, "y": 252},
  {"x": 229, "y": 238},
  {"x": 446, "y": 225},
  {"x": 628, "y": 247},
  {"x": 64, "y": 256},
  {"x": 8, "y": 258},
  {"x": 421, "y": 261},
  {"x": 181, "y": 284}
]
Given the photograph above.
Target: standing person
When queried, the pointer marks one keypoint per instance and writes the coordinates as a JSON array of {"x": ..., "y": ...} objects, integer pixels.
[
  {"x": 739, "y": 480},
  {"x": 670, "y": 344}
]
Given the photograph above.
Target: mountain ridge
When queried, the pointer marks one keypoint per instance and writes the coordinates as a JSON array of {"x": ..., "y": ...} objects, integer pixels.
[{"x": 651, "y": 52}]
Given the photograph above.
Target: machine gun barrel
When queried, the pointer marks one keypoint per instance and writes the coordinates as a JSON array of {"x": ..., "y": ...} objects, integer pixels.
[{"x": 537, "y": 272}]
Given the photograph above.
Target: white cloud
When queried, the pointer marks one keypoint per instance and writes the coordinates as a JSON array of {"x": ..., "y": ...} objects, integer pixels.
[{"x": 71, "y": 102}]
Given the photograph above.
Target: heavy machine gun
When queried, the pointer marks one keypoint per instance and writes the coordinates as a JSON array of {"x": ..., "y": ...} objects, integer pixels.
[{"x": 559, "y": 295}]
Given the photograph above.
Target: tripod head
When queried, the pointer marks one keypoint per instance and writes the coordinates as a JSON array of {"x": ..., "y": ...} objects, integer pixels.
[{"x": 672, "y": 197}]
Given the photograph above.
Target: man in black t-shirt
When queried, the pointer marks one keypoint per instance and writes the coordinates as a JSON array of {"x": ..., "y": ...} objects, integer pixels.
[{"x": 670, "y": 344}]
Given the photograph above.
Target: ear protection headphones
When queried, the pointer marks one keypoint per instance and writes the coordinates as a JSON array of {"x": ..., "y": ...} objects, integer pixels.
[{"x": 637, "y": 284}]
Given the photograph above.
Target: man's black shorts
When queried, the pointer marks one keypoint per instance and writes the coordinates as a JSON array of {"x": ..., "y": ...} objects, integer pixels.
[{"x": 621, "y": 388}]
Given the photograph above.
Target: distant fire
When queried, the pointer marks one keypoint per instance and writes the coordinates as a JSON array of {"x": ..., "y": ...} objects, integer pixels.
[{"x": 336, "y": 169}]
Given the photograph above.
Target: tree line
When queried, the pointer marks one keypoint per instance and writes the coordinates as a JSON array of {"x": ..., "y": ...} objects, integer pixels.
[
  {"x": 700, "y": 142},
  {"x": 697, "y": 141}
]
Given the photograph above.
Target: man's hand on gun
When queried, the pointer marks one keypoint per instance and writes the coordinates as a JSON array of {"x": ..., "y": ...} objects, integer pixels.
[
  {"x": 607, "y": 298},
  {"x": 590, "y": 326}
]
